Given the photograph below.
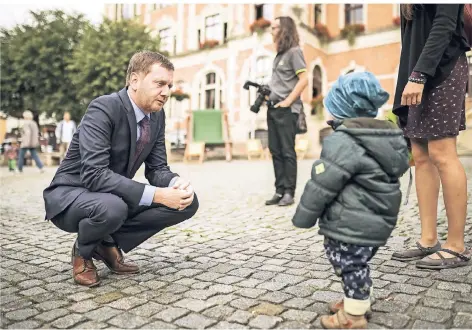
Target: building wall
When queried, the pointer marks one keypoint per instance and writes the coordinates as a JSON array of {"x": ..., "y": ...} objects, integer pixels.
[{"x": 377, "y": 50}]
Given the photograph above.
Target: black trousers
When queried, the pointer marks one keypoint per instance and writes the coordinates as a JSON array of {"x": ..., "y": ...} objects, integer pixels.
[
  {"x": 96, "y": 216},
  {"x": 282, "y": 124}
]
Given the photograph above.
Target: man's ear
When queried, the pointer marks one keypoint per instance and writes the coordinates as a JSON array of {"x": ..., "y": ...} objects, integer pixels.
[{"x": 133, "y": 81}]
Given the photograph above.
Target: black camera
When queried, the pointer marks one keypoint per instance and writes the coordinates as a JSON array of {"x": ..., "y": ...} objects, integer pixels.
[{"x": 262, "y": 90}]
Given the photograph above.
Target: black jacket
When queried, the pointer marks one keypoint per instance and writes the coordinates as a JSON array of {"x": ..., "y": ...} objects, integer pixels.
[
  {"x": 354, "y": 187},
  {"x": 431, "y": 43},
  {"x": 101, "y": 156}
]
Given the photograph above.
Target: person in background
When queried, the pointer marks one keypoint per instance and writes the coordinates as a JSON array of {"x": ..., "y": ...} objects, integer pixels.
[
  {"x": 289, "y": 79},
  {"x": 29, "y": 141},
  {"x": 430, "y": 101},
  {"x": 355, "y": 191},
  {"x": 11, "y": 153},
  {"x": 64, "y": 133}
]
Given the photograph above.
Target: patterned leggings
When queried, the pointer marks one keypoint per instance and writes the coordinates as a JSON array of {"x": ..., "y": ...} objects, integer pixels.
[{"x": 350, "y": 262}]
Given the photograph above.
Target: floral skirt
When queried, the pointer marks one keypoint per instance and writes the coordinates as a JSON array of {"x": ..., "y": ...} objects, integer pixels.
[{"x": 442, "y": 111}]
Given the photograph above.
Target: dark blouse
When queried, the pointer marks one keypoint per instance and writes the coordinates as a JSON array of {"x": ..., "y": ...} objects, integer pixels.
[{"x": 431, "y": 44}]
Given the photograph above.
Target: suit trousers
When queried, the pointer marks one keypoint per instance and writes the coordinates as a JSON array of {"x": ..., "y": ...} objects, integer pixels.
[
  {"x": 282, "y": 126},
  {"x": 96, "y": 216}
]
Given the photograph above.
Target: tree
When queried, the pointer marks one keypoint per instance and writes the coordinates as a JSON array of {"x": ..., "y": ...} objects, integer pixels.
[
  {"x": 35, "y": 60},
  {"x": 101, "y": 59}
]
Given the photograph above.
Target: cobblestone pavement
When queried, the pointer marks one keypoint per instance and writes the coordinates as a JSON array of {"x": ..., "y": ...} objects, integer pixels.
[{"x": 236, "y": 264}]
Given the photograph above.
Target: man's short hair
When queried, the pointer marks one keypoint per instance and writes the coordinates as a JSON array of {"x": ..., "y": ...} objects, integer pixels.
[{"x": 142, "y": 61}]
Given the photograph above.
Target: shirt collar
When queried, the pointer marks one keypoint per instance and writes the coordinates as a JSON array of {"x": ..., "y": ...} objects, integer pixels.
[{"x": 137, "y": 111}]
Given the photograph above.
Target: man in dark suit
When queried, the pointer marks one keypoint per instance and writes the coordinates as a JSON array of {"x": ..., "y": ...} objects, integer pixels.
[{"x": 92, "y": 192}]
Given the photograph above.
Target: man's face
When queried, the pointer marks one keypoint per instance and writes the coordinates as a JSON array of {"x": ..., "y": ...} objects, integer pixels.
[
  {"x": 66, "y": 116},
  {"x": 275, "y": 27},
  {"x": 152, "y": 90}
]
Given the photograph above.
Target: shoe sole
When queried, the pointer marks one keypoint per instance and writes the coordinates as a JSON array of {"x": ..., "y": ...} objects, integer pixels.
[
  {"x": 89, "y": 285},
  {"x": 286, "y": 204},
  {"x": 368, "y": 314},
  {"x": 408, "y": 259},
  {"x": 439, "y": 267}
]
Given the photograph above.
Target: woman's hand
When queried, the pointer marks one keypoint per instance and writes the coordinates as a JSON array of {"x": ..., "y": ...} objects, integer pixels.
[{"x": 412, "y": 94}]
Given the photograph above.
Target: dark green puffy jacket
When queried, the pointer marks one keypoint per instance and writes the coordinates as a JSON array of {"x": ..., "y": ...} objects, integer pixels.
[{"x": 354, "y": 187}]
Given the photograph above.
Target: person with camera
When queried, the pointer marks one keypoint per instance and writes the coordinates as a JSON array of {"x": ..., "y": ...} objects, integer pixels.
[{"x": 289, "y": 79}]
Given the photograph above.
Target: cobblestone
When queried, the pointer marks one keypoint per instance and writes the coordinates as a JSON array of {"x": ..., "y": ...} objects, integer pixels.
[{"x": 234, "y": 265}]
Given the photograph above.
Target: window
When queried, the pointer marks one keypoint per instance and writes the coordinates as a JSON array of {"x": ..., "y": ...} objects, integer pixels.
[
  {"x": 317, "y": 82},
  {"x": 127, "y": 11},
  {"x": 262, "y": 75},
  {"x": 167, "y": 41},
  {"x": 211, "y": 93},
  {"x": 213, "y": 29},
  {"x": 265, "y": 11},
  {"x": 354, "y": 14},
  {"x": 318, "y": 13}
]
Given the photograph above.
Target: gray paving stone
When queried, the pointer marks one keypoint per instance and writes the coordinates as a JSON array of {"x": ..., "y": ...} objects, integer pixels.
[
  {"x": 171, "y": 314},
  {"x": 250, "y": 283},
  {"x": 298, "y": 315},
  {"x": 425, "y": 282},
  {"x": 166, "y": 298},
  {"x": 103, "y": 314},
  {"x": 294, "y": 325},
  {"x": 33, "y": 291},
  {"x": 412, "y": 300},
  {"x": 81, "y": 296},
  {"x": 195, "y": 305},
  {"x": 52, "y": 315},
  {"x": 464, "y": 307},
  {"x": 251, "y": 293},
  {"x": 419, "y": 324},
  {"x": 195, "y": 321},
  {"x": 219, "y": 312},
  {"x": 391, "y": 320},
  {"x": 327, "y": 296},
  {"x": 435, "y": 293},
  {"x": 243, "y": 303},
  {"x": 147, "y": 309},
  {"x": 276, "y": 297},
  {"x": 84, "y": 306},
  {"x": 222, "y": 299},
  {"x": 68, "y": 321},
  {"x": 406, "y": 288},
  {"x": 265, "y": 322},
  {"x": 299, "y": 291},
  {"x": 221, "y": 288},
  {"x": 438, "y": 303},
  {"x": 240, "y": 316},
  {"x": 160, "y": 325},
  {"x": 272, "y": 286},
  {"x": 298, "y": 303},
  {"x": 128, "y": 321},
  {"x": 228, "y": 325},
  {"x": 93, "y": 325},
  {"x": 457, "y": 287},
  {"x": 21, "y": 314},
  {"x": 29, "y": 324},
  {"x": 431, "y": 314},
  {"x": 463, "y": 321},
  {"x": 390, "y": 306}
]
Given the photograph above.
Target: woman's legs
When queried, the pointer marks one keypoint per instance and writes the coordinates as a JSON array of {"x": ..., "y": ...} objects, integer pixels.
[
  {"x": 427, "y": 191},
  {"x": 443, "y": 155}
]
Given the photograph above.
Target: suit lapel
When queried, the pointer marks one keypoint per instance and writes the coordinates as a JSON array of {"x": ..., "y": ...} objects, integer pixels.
[
  {"x": 132, "y": 127},
  {"x": 148, "y": 147}
]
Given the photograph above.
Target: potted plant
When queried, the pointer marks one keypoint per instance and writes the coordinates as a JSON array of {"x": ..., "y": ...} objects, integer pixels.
[
  {"x": 322, "y": 32},
  {"x": 396, "y": 21},
  {"x": 179, "y": 95},
  {"x": 351, "y": 31},
  {"x": 210, "y": 43},
  {"x": 259, "y": 25}
]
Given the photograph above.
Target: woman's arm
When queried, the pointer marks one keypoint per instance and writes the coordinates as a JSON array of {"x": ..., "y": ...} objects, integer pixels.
[{"x": 444, "y": 25}]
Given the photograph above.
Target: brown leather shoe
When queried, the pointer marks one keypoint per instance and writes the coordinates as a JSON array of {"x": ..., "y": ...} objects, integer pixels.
[
  {"x": 84, "y": 271},
  {"x": 112, "y": 257}
]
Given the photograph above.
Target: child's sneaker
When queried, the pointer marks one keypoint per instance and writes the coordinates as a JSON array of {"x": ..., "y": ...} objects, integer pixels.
[
  {"x": 335, "y": 306},
  {"x": 343, "y": 320}
]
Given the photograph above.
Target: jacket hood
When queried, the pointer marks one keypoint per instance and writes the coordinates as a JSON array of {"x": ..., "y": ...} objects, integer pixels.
[{"x": 382, "y": 140}]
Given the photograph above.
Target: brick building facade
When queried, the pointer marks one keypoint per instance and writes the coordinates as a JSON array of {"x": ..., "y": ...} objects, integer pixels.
[{"x": 213, "y": 77}]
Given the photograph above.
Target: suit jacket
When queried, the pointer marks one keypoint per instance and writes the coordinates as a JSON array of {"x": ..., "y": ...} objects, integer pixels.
[{"x": 101, "y": 156}]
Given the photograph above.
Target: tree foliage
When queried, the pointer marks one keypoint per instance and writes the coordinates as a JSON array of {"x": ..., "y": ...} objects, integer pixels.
[
  {"x": 60, "y": 62},
  {"x": 100, "y": 61},
  {"x": 34, "y": 63}
]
